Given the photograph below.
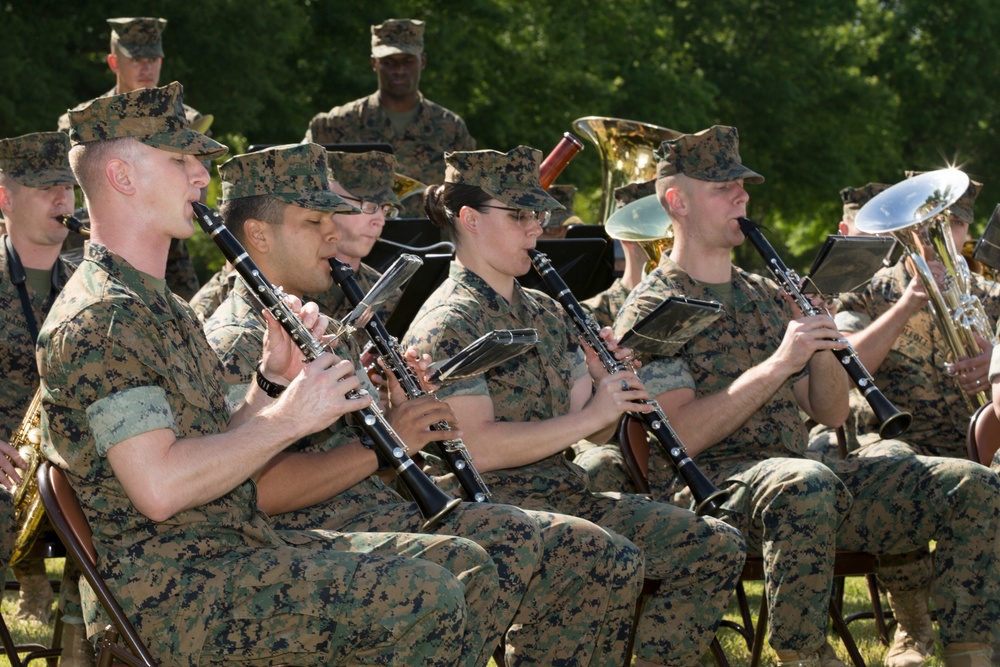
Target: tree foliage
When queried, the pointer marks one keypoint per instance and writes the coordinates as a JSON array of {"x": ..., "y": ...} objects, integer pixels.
[{"x": 824, "y": 95}]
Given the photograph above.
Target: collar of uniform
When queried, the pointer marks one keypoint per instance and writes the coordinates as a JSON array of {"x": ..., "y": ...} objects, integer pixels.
[
  {"x": 150, "y": 290},
  {"x": 375, "y": 100},
  {"x": 745, "y": 293},
  {"x": 489, "y": 299}
]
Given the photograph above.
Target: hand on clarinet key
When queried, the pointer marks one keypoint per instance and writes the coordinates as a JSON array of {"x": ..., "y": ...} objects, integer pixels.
[
  {"x": 804, "y": 337},
  {"x": 413, "y": 419},
  {"x": 318, "y": 394},
  {"x": 282, "y": 360},
  {"x": 617, "y": 394}
]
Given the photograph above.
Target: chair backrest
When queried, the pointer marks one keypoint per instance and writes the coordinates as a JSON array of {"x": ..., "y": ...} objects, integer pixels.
[
  {"x": 67, "y": 518},
  {"x": 635, "y": 450},
  {"x": 984, "y": 435}
]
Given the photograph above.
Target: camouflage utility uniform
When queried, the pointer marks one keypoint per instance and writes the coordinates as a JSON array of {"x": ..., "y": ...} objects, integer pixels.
[
  {"x": 578, "y": 584},
  {"x": 698, "y": 559},
  {"x": 419, "y": 148},
  {"x": 212, "y": 293},
  {"x": 120, "y": 356},
  {"x": 796, "y": 511}
]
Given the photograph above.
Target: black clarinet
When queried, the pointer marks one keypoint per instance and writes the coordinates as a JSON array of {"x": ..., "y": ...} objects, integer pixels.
[
  {"x": 707, "y": 497},
  {"x": 454, "y": 451},
  {"x": 434, "y": 503},
  {"x": 892, "y": 422}
]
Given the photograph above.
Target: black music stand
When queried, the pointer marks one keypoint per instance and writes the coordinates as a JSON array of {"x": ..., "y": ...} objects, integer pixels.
[
  {"x": 987, "y": 248},
  {"x": 421, "y": 285},
  {"x": 343, "y": 148},
  {"x": 576, "y": 260},
  {"x": 614, "y": 256},
  {"x": 413, "y": 232}
]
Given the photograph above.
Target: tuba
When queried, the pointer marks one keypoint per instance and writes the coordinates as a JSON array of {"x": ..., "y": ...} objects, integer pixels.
[
  {"x": 29, "y": 514},
  {"x": 626, "y": 148},
  {"x": 645, "y": 222},
  {"x": 915, "y": 212}
]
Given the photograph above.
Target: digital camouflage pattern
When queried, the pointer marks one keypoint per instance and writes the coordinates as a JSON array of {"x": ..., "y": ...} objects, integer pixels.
[
  {"x": 213, "y": 293},
  {"x": 192, "y": 114},
  {"x": 369, "y": 176},
  {"x": 121, "y": 356},
  {"x": 913, "y": 374},
  {"x": 7, "y": 526},
  {"x": 511, "y": 178},
  {"x": 180, "y": 275},
  {"x": 37, "y": 160},
  {"x": 604, "y": 307},
  {"x": 154, "y": 116},
  {"x": 796, "y": 511},
  {"x": 294, "y": 174},
  {"x": 855, "y": 198},
  {"x": 631, "y": 192},
  {"x": 17, "y": 345},
  {"x": 398, "y": 36},
  {"x": 698, "y": 559},
  {"x": 962, "y": 208},
  {"x": 564, "y": 194},
  {"x": 137, "y": 37},
  {"x": 555, "y": 582},
  {"x": 709, "y": 155},
  {"x": 419, "y": 148}
]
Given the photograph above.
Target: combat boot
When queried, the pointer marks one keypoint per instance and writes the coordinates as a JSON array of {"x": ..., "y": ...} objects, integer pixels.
[
  {"x": 77, "y": 651},
  {"x": 35, "y": 598},
  {"x": 967, "y": 654},
  {"x": 796, "y": 659},
  {"x": 913, "y": 642}
]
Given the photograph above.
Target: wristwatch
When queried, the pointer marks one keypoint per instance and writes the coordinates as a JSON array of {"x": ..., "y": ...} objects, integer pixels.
[{"x": 272, "y": 389}]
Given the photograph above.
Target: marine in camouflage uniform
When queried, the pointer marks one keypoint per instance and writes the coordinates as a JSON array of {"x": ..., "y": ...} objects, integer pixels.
[
  {"x": 419, "y": 130},
  {"x": 140, "y": 39},
  {"x": 122, "y": 360},
  {"x": 793, "y": 510},
  {"x": 33, "y": 168},
  {"x": 565, "y": 569},
  {"x": 913, "y": 376},
  {"x": 698, "y": 559}
]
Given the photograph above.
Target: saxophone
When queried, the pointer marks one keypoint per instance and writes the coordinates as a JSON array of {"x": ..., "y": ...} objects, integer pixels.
[{"x": 28, "y": 510}]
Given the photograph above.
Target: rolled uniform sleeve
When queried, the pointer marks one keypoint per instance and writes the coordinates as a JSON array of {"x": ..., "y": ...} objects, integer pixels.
[{"x": 107, "y": 374}]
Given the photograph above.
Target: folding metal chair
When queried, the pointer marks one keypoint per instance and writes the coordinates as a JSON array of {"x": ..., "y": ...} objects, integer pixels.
[{"x": 64, "y": 511}]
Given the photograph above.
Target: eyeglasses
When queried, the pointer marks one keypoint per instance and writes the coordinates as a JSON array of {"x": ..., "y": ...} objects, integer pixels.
[
  {"x": 390, "y": 211},
  {"x": 524, "y": 217}
]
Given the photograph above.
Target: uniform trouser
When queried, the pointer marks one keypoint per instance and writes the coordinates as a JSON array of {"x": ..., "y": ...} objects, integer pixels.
[
  {"x": 796, "y": 512},
  {"x": 698, "y": 560},
  {"x": 568, "y": 597},
  {"x": 344, "y": 601}
]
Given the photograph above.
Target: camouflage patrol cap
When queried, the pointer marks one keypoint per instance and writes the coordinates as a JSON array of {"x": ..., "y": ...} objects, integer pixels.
[
  {"x": 855, "y": 198},
  {"x": 294, "y": 173},
  {"x": 37, "y": 160},
  {"x": 511, "y": 178},
  {"x": 154, "y": 116},
  {"x": 369, "y": 176},
  {"x": 709, "y": 155},
  {"x": 398, "y": 36},
  {"x": 138, "y": 37},
  {"x": 627, "y": 194},
  {"x": 564, "y": 194},
  {"x": 963, "y": 208}
]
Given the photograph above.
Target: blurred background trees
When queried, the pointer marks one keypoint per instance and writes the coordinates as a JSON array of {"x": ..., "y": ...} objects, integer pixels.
[{"x": 825, "y": 95}]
